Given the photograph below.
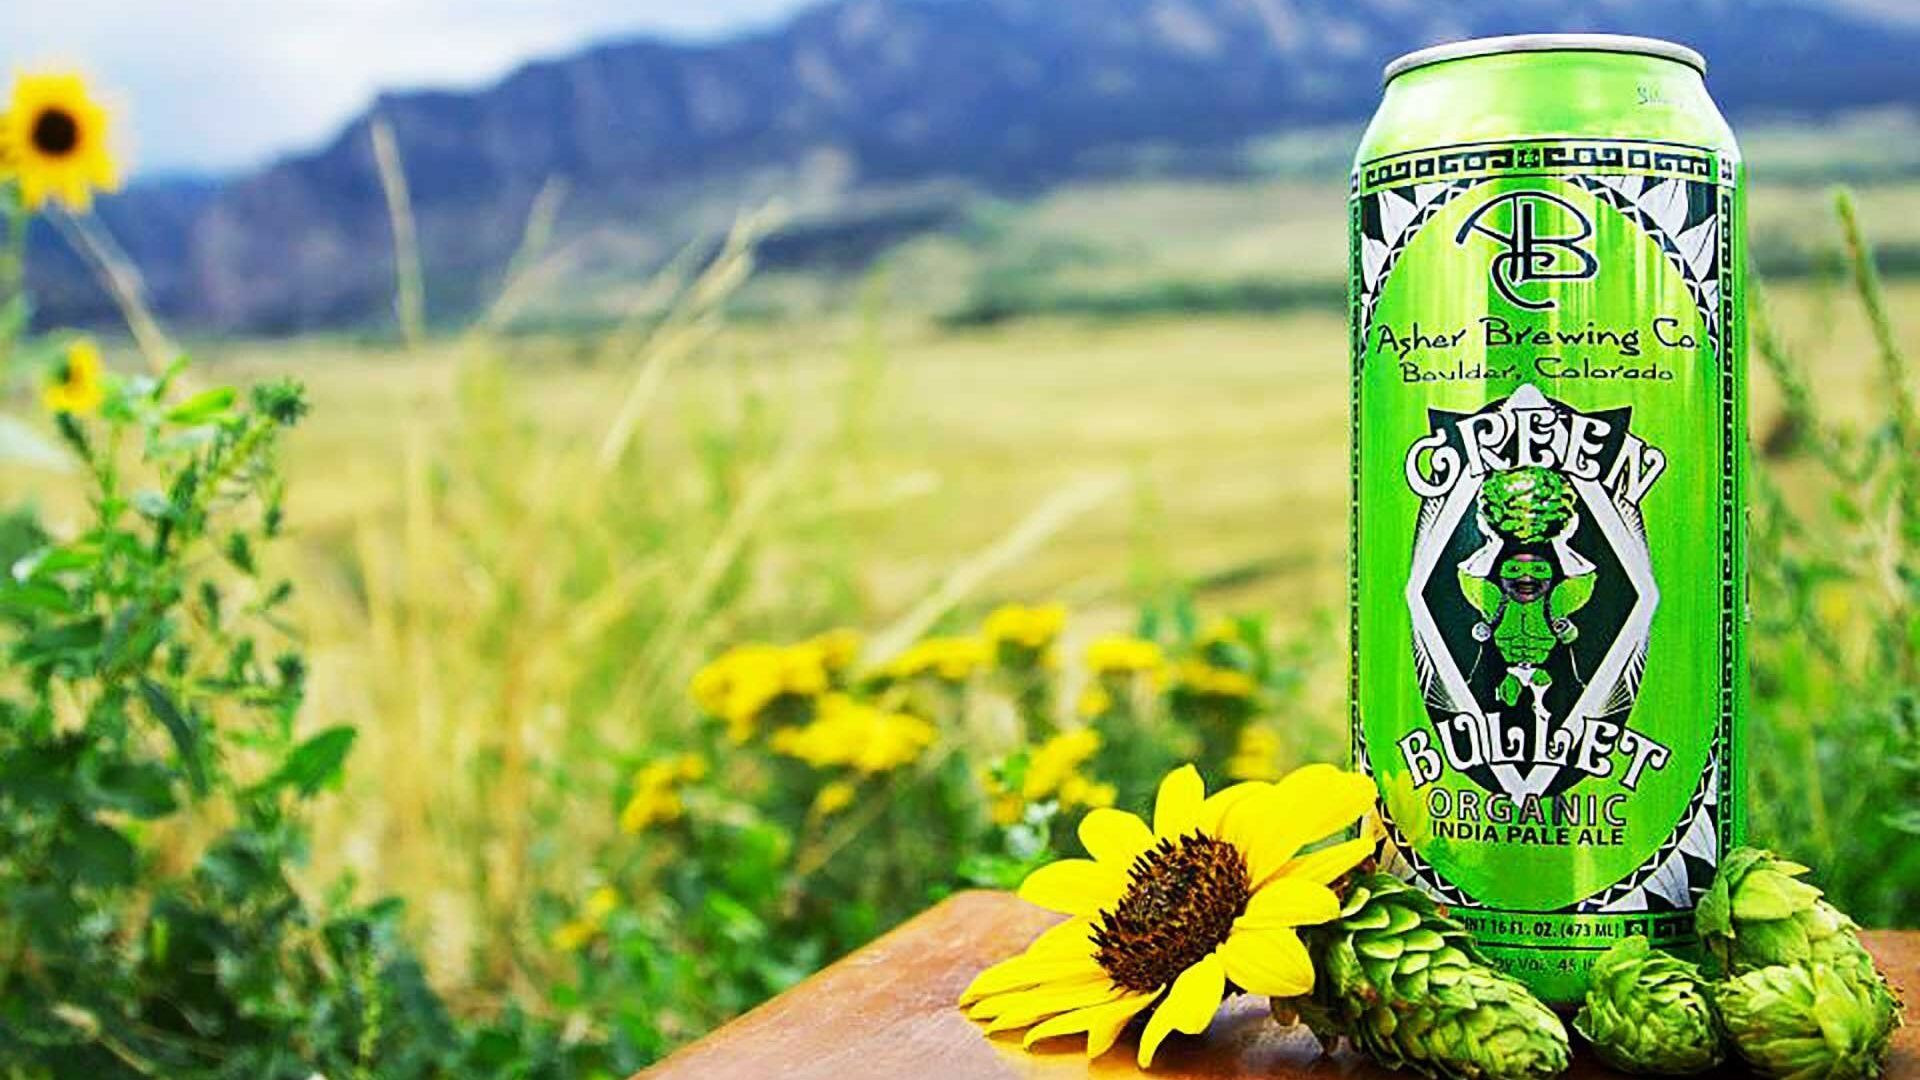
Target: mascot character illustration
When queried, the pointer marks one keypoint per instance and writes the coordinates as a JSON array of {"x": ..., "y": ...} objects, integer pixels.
[{"x": 1526, "y": 581}]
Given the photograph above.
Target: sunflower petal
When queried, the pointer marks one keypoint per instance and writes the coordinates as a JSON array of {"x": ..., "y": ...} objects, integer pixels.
[
  {"x": 1114, "y": 837},
  {"x": 1327, "y": 864},
  {"x": 1189, "y": 1006},
  {"x": 1073, "y": 886},
  {"x": 1292, "y": 903},
  {"x": 1215, "y": 809},
  {"x": 1014, "y": 1002},
  {"x": 1072, "y": 936},
  {"x": 1268, "y": 961},
  {"x": 1176, "y": 810},
  {"x": 1026, "y": 970},
  {"x": 1044, "y": 1002},
  {"x": 1324, "y": 800},
  {"x": 1102, "y": 1023},
  {"x": 1258, "y": 825},
  {"x": 1304, "y": 806}
]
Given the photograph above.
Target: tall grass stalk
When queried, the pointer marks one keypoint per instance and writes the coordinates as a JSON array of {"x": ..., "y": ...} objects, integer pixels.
[{"x": 410, "y": 295}]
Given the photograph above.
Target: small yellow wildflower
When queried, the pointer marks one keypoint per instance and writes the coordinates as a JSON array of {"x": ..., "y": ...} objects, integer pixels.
[
  {"x": 1124, "y": 656},
  {"x": 1257, "y": 755},
  {"x": 1078, "y": 791},
  {"x": 833, "y": 798},
  {"x": 1021, "y": 636},
  {"x": 1094, "y": 702},
  {"x": 656, "y": 792},
  {"x": 78, "y": 384},
  {"x": 576, "y": 934},
  {"x": 1004, "y": 805},
  {"x": 745, "y": 681},
  {"x": 851, "y": 733},
  {"x": 601, "y": 903},
  {"x": 1196, "y": 676},
  {"x": 1007, "y": 808},
  {"x": 949, "y": 659},
  {"x": 53, "y": 140},
  {"x": 1057, "y": 759}
]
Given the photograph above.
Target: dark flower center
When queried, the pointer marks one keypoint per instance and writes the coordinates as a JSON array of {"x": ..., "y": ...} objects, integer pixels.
[
  {"x": 55, "y": 133},
  {"x": 1182, "y": 897}
]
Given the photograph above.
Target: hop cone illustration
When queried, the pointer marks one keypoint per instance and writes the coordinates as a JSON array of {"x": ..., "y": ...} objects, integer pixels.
[
  {"x": 1808, "y": 1021},
  {"x": 1758, "y": 913},
  {"x": 1405, "y": 984},
  {"x": 1527, "y": 504},
  {"x": 1648, "y": 1012}
]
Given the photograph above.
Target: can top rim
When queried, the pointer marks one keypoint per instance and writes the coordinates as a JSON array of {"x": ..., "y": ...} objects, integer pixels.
[{"x": 1517, "y": 43}]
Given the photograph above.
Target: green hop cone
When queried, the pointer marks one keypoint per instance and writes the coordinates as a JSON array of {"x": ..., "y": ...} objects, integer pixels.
[
  {"x": 1809, "y": 1021},
  {"x": 1758, "y": 913},
  {"x": 1528, "y": 504},
  {"x": 1648, "y": 1012},
  {"x": 1405, "y": 984}
]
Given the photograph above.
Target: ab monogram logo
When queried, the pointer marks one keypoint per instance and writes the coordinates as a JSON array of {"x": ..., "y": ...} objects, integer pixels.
[{"x": 1541, "y": 237}]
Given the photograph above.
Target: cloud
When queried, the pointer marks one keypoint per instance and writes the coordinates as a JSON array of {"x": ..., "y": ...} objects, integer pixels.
[{"x": 213, "y": 85}]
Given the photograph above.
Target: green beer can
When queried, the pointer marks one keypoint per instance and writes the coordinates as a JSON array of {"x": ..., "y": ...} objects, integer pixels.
[{"x": 1548, "y": 571}]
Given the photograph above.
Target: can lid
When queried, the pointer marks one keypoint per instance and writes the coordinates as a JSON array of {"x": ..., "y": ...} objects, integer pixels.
[{"x": 1517, "y": 43}]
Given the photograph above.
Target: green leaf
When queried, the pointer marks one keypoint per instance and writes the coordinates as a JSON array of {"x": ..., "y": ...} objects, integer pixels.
[
  {"x": 1766, "y": 895},
  {"x": 58, "y": 560},
  {"x": 50, "y": 643},
  {"x": 183, "y": 729},
  {"x": 142, "y": 789},
  {"x": 315, "y": 763},
  {"x": 1779, "y": 941},
  {"x": 26, "y": 598},
  {"x": 97, "y": 854},
  {"x": 202, "y": 407},
  {"x": 242, "y": 863}
]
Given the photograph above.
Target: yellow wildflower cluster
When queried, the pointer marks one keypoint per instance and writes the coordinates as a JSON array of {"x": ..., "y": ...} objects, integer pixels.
[
  {"x": 1024, "y": 636},
  {"x": 747, "y": 680},
  {"x": 77, "y": 384},
  {"x": 845, "y": 732},
  {"x": 577, "y": 933},
  {"x": 656, "y": 791},
  {"x": 1121, "y": 656},
  {"x": 53, "y": 142},
  {"x": 1053, "y": 771},
  {"x": 948, "y": 659},
  {"x": 1257, "y": 757},
  {"x": 1056, "y": 759},
  {"x": 1198, "y": 677}
]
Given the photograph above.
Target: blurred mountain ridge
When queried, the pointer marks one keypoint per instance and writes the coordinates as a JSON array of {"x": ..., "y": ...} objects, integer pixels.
[{"x": 894, "y": 106}]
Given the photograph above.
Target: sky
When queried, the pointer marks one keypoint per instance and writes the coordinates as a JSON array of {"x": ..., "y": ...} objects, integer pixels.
[{"x": 211, "y": 86}]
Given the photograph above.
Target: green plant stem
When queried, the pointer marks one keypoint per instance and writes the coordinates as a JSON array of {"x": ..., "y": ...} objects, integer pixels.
[{"x": 1905, "y": 473}]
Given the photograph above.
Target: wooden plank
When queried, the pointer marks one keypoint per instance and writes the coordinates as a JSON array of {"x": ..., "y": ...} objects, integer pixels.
[{"x": 888, "y": 1011}]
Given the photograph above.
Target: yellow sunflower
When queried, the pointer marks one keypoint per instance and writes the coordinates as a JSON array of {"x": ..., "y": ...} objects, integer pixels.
[
  {"x": 77, "y": 384},
  {"x": 54, "y": 139},
  {"x": 1174, "y": 917}
]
